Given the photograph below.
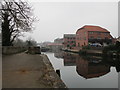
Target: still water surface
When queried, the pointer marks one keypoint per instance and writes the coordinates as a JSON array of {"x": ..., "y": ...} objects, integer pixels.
[{"x": 81, "y": 72}]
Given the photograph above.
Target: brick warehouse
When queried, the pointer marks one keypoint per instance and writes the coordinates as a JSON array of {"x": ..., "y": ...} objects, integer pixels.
[
  {"x": 93, "y": 35},
  {"x": 69, "y": 41}
]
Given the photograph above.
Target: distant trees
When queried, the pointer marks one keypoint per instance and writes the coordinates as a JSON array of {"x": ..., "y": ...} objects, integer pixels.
[
  {"x": 16, "y": 17},
  {"x": 19, "y": 43},
  {"x": 27, "y": 43},
  {"x": 31, "y": 42}
]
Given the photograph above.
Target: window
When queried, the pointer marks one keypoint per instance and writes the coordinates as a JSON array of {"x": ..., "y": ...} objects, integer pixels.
[
  {"x": 106, "y": 33},
  {"x": 68, "y": 45},
  {"x": 80, "y": 38},
  {"x": 74, "y": 45},
  {"x": 99, "y": 33},
  {"x": 90, "y": 32},
  {"x": 84, "y": 38},
  {"x": 106, "y": 37},
  {"x": 91, "y": 37},
  {"x": 78, "y": 44},
  {"x": 84, "y": 43},
  {"x": 99, "y": 38}
]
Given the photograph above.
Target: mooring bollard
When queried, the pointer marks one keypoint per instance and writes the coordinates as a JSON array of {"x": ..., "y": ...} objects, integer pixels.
[{"x": 58, "y": 72}]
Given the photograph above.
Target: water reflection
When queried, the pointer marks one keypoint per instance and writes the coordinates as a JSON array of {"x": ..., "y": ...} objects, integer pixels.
[
  {"x": 91, "y": 69},
  {"x": 69, "y": 59},
  {"x": 58, "y": 54},
  {"x": 88, "y": 66}
]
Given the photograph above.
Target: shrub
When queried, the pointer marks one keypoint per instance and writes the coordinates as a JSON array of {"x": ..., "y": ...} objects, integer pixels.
[
  {"x": 86, "y": 47},
  {"x": 83, "y": 52},
  {"x": 112, "y": 48}
]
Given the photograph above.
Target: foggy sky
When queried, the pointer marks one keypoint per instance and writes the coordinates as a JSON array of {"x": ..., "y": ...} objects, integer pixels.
[{"x": 58, "y": 18}]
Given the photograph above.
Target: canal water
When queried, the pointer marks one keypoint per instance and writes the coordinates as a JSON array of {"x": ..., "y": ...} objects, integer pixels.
[{"x": 85, "y": 71}]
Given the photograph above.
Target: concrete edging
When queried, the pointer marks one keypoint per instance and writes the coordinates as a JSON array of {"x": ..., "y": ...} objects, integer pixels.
[{"x": 53, "y": 76}]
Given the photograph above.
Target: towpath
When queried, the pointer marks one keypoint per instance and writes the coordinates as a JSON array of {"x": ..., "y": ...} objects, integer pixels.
[{"x": 29, "y": 71}]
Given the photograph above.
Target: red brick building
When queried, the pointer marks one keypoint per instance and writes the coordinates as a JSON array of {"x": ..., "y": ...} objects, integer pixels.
[
  {"x": 69, "y": 41},
  {"x": 93, "y": 35}
]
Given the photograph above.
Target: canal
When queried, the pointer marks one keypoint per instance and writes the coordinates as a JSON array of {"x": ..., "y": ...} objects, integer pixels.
[{"x": 84, "y": 71}]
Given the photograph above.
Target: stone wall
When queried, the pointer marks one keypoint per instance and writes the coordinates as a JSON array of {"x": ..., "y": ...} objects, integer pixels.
[
  {"x": 52, "y": 77},
  {"x": 12, "y": 50}
]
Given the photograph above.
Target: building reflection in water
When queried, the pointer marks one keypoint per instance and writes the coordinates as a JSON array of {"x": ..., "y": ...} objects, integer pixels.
[
  {"x": 91, "y": 69},
  {"x": 69, "y": 59},
  {"x": 87, "y": 67},
  {"x": 58, "y": 54}
]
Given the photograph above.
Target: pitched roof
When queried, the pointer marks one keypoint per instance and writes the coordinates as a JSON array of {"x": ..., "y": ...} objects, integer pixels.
[{"x": 93, "y": 28}]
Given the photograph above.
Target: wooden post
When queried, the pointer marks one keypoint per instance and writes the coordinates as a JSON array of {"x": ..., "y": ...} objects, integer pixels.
[{"x": 58, "y": 72}]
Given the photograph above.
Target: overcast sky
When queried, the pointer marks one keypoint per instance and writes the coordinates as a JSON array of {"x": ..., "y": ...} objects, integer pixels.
[{"x": 58, "y": 18}]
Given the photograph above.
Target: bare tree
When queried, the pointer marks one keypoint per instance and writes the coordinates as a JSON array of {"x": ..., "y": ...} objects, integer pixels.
[{"x": 16, "y": 17}]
